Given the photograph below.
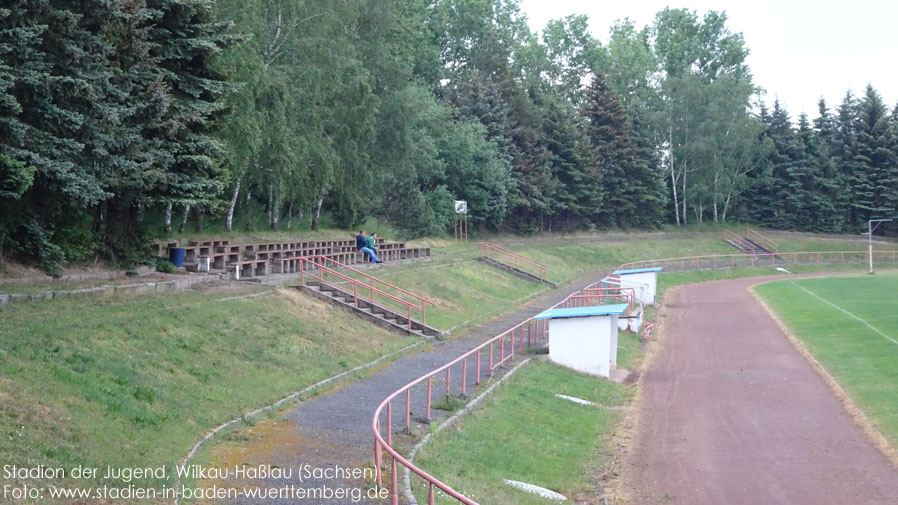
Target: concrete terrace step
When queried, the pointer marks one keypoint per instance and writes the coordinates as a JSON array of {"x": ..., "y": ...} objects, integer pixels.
[
  {"x": 517, "y": 272},
  {"x": 377, "y": 314},
  {"x": 749, "y": 246}
]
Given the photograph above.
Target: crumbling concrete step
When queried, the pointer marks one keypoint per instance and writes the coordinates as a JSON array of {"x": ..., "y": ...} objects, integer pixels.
[
  {"x": 377, "y": 314},
  {"x": 517, "y": 272}
]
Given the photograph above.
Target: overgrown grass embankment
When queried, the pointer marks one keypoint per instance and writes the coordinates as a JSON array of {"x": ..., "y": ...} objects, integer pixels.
[{"x": 135, "y": 381}]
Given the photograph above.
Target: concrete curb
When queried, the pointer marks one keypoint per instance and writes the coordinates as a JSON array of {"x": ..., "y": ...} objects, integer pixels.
[
  {"x": 406, "y": 478},
  {"x": 113, "y": 290},
  {"x": 292, "y": 396}
]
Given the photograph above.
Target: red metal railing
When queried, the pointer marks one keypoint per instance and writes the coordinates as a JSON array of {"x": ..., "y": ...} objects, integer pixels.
[
  {"x": 502, "y": 255},
  {"x": 760, "y": 259},
  {"x": 762, "y": 240},
  {"x": 534, "y": 330},
  {"x": 729, "y": 235},
  {"x": 739, "y": 241},
  {"x": 371, "y": 285},
  {"x": 498, "y": 351}
]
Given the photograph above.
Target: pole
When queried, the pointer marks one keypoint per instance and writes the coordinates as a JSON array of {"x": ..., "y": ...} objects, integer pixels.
[
  {"x": 870, "y": 243},
  {"x": 870, "y": 230}
]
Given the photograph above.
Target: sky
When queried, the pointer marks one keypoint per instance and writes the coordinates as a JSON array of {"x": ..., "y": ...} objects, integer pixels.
[{"x": 799, "y": 50}]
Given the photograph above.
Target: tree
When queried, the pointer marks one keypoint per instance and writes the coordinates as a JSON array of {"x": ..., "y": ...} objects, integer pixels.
[{"x": 629, "y": 185}]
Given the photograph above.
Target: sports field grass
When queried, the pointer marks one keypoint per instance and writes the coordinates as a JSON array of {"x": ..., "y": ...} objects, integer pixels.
[
  {"x": 524, "y": 432},
  {"x": 850, "y": 325}
]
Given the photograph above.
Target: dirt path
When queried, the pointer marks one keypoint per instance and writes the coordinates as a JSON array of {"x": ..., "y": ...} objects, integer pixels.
[
  {"x": 334, "y": 430},
  {"x": 730, "y": 413}
]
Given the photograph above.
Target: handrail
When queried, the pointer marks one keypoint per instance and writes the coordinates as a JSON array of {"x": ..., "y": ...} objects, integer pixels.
[
  {"x": 515, "y": 258},
  {"x": 370, "y": 277},
  {"x": 534, "y": 329},
  {"x": 761, "y": 239},
  {"x": 304, "y": 271},
  {"x": 729, "y": 235}
]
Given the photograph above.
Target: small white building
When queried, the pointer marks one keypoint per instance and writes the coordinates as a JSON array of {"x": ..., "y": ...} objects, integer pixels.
[
  {"x": 644, "y": 282},
  {"x": 584, "y": 338}
]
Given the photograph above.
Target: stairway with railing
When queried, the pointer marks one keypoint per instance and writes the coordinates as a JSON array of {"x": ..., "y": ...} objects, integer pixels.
[
  {"x": 379, "y": 301},
  {"x": 752, "y": 243},
  {"x": 514, "y": 263}
]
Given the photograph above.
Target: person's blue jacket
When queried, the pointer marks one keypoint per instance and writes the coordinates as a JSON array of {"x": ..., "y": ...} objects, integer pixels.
[{"x": 360, "y": 242}]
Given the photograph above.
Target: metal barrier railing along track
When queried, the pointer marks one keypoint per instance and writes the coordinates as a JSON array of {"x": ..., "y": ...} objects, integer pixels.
[
  {"x": 534, "y": 330},
  {"x": 503, "y": 255},
  {"x": 761, "y": 259},
  {"x": 372, "y": 285}
]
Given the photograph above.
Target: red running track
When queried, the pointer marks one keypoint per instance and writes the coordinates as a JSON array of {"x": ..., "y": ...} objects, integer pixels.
[{"x": 732, "y": 414}]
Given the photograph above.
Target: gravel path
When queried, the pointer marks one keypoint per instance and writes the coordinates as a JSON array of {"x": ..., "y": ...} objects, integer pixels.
[
  {"x": 730, "y": 413},
  {"x": 334, "y": 430}
]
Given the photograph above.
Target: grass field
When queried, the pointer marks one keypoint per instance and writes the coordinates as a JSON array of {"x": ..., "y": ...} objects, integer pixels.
[
  {"x": 544, "y": 440},
  {"x": 850, "y": 325},
  {"x": 135, "y": 381}
]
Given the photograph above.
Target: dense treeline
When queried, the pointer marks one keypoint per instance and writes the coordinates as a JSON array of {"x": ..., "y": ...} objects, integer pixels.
[{"x": 186, "y": 110}]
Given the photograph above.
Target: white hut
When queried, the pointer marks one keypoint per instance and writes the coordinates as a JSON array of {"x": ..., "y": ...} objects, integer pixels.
[
  {"x": 584, "y": 338},
  {"x": 644, "y": 282}
]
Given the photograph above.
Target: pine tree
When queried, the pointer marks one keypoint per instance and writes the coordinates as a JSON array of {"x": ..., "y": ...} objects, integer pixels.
[
  {"x": 876, "y": 177},
  {"x": 851, "y": 175},
  {"x": 578, "y": 192}
]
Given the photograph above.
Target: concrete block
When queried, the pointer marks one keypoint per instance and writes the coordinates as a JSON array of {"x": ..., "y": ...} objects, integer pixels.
[
  {"x": 62, "y": 294},
  {"x": 85, "y": 292},
  {"x": 166, "y": 286},
  {"x": 44, "y": 295},
  {"x": 88, "y": 291},
  {"x": 182, "y": 283},
  {"x": 135, "y": 288},
  {"x": 18, "y": 298},
  {"x": 144, "y": 270},
  {"x": 4, "y": 300}
]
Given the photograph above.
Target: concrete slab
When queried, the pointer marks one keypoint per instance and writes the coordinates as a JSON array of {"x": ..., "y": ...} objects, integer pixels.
[
  {"x": 166, "y": 286},
  {"x": 18, "y": 298},
  {"x": 43, "y": 295}
]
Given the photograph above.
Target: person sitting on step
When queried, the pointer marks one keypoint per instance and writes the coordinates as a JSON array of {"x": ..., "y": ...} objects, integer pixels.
[
  {"x": 361, "y": 244},
  {"x": 372, "y": 243}
]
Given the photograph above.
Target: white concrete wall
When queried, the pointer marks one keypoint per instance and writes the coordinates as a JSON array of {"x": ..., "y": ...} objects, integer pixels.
[
  {"x": 584, "y": 343},
  {"x": 644, "y": 284}
]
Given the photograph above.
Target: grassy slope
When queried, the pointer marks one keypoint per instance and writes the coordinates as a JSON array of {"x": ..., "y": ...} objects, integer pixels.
[
  {"x": 861, "y": 360},
  {"x": 135, "y": 381},
  {"x": 544, "y": 440},
  {"x": 140, "y": 374}
]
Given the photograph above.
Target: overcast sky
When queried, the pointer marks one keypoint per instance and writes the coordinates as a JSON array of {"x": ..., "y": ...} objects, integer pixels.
[{"x": 800, "y": 50}]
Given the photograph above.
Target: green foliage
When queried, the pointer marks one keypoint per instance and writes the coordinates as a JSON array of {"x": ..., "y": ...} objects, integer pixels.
[
  {"x": 15, "y": 178},
  {"x": 248, "y": 110},
  {"x": 165, "y": 266}
]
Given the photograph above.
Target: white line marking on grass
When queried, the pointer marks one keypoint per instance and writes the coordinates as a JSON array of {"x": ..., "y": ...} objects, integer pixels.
[
  {"x": 537, "y": 490},
  {"x": 574, "y": 399},
  {"x": 877, "y": 330}
]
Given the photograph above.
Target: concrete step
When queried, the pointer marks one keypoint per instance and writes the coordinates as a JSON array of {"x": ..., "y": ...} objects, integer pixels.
[
  {"x": 517, "y": 272},
  {"x": 377, "y": 314}
]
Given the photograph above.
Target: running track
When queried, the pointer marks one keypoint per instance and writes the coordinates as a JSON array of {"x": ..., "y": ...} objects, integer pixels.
[{"x": 731, "y": 414}]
